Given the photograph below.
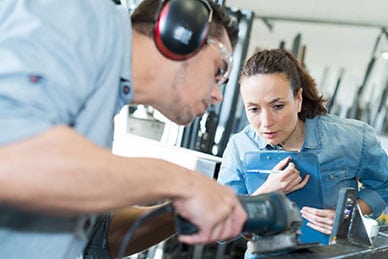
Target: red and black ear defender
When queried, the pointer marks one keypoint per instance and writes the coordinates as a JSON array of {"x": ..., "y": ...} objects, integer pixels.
[{"x": 181, "y": 27}]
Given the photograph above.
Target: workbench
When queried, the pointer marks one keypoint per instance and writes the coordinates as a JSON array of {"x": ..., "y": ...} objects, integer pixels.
[
  {"x": 379, "y": 242},
  {"x": 235, "y": 250}
]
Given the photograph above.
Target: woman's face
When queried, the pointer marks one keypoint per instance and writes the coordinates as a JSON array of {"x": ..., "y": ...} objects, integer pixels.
[{"x": 270, "y": 106}]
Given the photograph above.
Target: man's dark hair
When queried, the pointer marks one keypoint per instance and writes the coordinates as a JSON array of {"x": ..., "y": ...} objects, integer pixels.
[
  {"x": 281, "y": 61},
  {"x": 144, "y": 15}
]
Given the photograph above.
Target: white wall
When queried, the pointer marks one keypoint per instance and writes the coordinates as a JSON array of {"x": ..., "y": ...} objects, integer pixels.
[{"x": 384, "y": 142}]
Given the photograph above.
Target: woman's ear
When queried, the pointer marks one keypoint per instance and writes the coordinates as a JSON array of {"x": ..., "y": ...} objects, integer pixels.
[{"x": 299, "y": 97}]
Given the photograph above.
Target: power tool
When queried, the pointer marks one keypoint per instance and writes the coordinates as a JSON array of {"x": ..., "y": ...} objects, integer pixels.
[{"x": 273, "y": 223}]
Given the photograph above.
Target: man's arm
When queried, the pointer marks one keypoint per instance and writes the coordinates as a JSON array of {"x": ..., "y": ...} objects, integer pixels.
[{"x": 61, "y": 172}]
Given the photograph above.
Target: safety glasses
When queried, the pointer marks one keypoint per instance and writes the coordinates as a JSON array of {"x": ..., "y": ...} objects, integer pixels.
[{"x": 224, "y": 63}]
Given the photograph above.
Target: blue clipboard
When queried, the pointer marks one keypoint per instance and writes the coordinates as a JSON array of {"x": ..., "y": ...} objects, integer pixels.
[{"x": 258, "y": 163}]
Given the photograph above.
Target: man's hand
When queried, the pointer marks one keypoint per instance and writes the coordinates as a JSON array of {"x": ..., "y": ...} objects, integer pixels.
[{"x": 214, "y": 209}]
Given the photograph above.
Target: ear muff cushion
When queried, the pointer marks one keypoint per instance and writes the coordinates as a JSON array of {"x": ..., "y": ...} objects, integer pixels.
[{"x": 181, "y": 28}]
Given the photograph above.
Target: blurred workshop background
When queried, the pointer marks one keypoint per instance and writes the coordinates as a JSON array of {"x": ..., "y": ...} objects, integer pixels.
[{"x": 343, "y": 45}]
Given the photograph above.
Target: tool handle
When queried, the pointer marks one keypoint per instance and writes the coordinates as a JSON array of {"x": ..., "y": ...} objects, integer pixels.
[
  {"x": 185, "y": 227},
  {"x": 267, "y": 213}
]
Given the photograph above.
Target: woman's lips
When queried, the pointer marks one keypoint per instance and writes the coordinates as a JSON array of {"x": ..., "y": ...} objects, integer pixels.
[{"x": 269, "y": 135}]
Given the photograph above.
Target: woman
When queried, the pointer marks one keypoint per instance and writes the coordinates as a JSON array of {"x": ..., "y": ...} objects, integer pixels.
[{"x": 285, "y": 112}]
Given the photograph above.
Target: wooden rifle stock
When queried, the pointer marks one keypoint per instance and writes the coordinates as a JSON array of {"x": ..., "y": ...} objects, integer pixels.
[
  {"x": 296, "y": 45},
  {"x": 335, "y": 92},
  {"x": 382, "y": 104},
  {"x": 303, "y": 56},
  {"x": 355, "y": 111},
  {"x": 146, "y": 235}
]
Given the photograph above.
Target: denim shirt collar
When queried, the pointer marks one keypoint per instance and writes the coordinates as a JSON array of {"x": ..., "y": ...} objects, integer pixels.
[
  {"x": 312, "y": 137},
  {"x": 251, "y": 133}
]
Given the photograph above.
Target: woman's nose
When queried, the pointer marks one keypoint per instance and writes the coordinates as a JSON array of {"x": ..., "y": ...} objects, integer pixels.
[{"x": 266, "y": 118}]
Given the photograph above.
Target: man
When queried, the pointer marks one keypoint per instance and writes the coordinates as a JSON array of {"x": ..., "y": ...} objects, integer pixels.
[{"x": 66, "y": 67}]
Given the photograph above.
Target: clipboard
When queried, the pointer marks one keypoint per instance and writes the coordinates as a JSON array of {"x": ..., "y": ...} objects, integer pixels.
[{"x": 258, "y": 164}]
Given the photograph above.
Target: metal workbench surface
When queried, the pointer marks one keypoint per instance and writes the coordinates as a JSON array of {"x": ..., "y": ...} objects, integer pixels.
[{"x": 380, "y": 250}]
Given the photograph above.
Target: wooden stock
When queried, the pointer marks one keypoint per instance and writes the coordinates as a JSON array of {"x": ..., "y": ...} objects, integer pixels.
[
  {"x": 303, "y": 56},
  {"x": 150, "y": 233}
]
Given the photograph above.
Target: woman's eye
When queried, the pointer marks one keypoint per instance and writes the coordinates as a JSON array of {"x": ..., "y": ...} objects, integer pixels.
[
  {"x": 253, "y": 109},
  {"x": 278, "y": 106}
]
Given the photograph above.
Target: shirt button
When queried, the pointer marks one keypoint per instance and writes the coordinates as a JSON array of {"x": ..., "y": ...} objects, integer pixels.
[
  {"x": 35, "y": 78},
  {"x": 331, "y": 177},
  {"x": 87, "y": 224},
  {"x": 126, "y": 90}
]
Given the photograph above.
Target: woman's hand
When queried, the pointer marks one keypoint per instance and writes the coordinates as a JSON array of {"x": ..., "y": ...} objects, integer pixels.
[
  {"x": 286, "y": 180},
  {"x": 321, "y": 220}
]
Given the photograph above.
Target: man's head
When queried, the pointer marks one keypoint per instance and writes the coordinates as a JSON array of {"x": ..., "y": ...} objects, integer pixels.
[
  {"x": 192, "y": 84},
  {"x": 146, "y": 14}
]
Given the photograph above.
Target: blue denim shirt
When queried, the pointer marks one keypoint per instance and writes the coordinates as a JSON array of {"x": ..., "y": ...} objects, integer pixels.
[
  {"x": 61, "y": 63},
  {"x": 347, "y": 150}
]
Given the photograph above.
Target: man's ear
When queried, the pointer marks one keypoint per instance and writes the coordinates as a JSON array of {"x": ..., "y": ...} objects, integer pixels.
[{"x": 181, "y": 27}]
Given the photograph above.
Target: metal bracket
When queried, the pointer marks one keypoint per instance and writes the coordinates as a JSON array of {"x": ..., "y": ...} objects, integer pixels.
[
  {"x": 353, "y": 231},
  {"x": 357, "y": 234}
]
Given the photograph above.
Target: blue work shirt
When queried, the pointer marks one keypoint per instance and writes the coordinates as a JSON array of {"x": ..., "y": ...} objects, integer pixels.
[
  {"x": 61, "y": 63},
  {"x": 347, "y": 150}
]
